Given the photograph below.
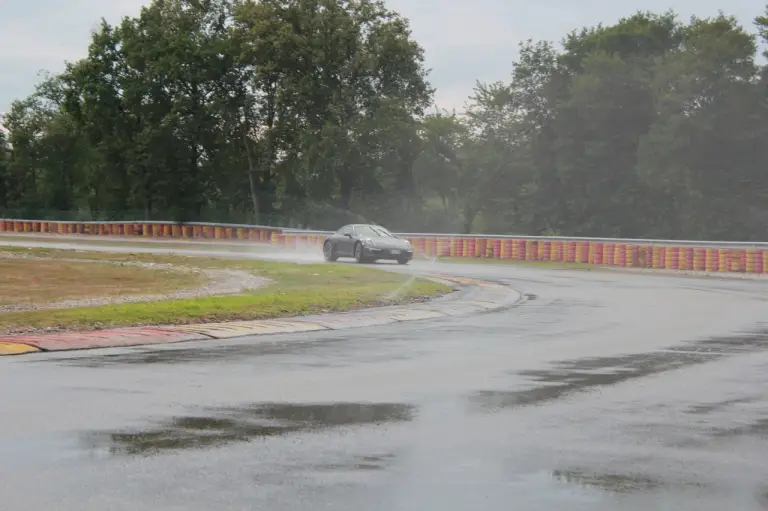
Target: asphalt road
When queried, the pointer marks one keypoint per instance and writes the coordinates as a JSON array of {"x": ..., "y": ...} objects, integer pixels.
[{"x": 605, "y": 391}]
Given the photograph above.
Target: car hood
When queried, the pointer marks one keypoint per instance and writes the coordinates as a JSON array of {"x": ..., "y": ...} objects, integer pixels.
[{"x": 390, "y": 243}]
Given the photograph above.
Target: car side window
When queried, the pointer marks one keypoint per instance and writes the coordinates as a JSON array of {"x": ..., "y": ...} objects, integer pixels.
[
  {"x": 364, "y": 230},
  {"x": 347, "y": 229}
]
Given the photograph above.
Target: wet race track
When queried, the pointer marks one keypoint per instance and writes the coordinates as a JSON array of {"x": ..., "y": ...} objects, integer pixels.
[{"x": 604, "y": 391}]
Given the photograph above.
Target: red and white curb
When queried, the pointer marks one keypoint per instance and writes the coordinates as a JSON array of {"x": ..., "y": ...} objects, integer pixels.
[{"x": 477, "y": 296}]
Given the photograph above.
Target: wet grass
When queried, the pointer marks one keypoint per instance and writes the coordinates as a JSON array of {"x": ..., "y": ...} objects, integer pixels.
[
  {"x": 296, "y": 289},
  {"x": 33, "y": 281}
]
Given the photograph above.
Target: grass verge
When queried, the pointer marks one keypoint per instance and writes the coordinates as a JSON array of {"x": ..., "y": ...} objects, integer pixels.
[
  {"x": 297, "y": 289},
  {"x": 43, "y": 281}
]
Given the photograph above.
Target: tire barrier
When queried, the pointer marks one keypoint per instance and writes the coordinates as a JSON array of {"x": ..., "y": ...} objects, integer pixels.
[
  {"x": 722, "y": 257},
  {"x": 203, "y": 231}
]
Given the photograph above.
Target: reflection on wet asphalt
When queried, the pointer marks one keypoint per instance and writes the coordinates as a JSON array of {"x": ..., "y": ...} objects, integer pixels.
[
  {"x": 613, "y": 483},
  {"x": 608, "y": 391},
  {"x": 187, "y": 355},
  {"x": 242, "y": 425},
  {"x": 589, "y": 373},
  {"x": 323, "y": 350}
]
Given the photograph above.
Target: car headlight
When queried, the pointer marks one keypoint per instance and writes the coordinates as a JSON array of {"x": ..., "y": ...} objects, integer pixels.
[
  {"x": 369, "y": 243},
  {"x": 407, "y": 244}
]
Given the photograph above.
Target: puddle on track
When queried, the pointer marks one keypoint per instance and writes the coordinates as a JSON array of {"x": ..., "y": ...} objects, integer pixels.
[
  {"x": 228, "y": 425},
  {"x": 609, "y": 483},
  {"x": 360, "y": 463},
  {"x": 758, "y": 428},
  {"x": 583, "y": 375},
  {"x": 639, "y": 491},
  {"x": 703, "y": 409}
]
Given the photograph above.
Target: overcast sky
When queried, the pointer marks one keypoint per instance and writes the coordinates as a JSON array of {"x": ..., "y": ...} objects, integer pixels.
[{"x": 464, "y": 40}]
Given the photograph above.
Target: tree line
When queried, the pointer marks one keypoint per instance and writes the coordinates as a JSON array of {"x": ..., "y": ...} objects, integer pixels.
[{"x": 315, "y": 113}]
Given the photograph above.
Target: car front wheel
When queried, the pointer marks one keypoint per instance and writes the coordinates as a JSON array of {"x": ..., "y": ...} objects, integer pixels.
[{"x": 359, "y": 252}]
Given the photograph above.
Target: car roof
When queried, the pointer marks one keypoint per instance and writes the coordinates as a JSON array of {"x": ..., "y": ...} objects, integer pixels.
[{"x": 364, "y": 225}]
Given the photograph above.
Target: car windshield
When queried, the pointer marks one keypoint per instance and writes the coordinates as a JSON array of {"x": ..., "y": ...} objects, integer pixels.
[{"x": 373, "y": 231}]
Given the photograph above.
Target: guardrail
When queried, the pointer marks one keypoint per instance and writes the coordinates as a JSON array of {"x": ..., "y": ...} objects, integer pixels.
[{"x": 710, "y": 256}]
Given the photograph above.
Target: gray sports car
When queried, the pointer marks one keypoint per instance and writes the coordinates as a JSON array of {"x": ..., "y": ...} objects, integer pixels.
[{"x": 366, "y": 243}]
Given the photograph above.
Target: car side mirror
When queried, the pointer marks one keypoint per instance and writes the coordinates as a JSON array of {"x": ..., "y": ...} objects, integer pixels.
[{"x": 348, "y": 235}]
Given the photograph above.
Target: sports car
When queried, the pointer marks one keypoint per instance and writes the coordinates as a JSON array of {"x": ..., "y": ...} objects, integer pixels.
[{"x": 366, "y": 243}]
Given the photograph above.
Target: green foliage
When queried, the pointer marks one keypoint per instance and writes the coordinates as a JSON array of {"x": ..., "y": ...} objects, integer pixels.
[
  {"x": 226, "y": 109},
  {"x": 314, "y": 113}
]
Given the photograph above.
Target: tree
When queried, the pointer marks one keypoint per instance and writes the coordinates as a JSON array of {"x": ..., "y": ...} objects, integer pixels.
[
  {"x": 340, "y": 83},
  {"x": 155, "y": 97},
  {"x": 472, "y": 163},
  {"x": 703, "y": 151},
  {"x": 5, "y": 156},
  {"x": 607, "y": 107},
  {"x": 42, "y": 154},
  {"x": 436, "y": 172},
  {"x": 312, "y": 113}
]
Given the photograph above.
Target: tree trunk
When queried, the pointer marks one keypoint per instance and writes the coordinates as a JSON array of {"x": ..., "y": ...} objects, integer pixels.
[
  {"x": 254, "y": 196},
  {"x": 251, "y": 180},
  {"x": 469, "y": 218}
]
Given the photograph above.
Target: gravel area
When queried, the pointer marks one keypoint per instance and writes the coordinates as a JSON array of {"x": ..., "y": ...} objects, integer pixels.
[{"x": 220, "y": 282}]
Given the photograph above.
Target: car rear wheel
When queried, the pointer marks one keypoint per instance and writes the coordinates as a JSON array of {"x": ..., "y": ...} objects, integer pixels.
[
  {"x": 359, "y": 252},
  {"x": 403, "y": 261},
  {"x": 328, "y": 252}
]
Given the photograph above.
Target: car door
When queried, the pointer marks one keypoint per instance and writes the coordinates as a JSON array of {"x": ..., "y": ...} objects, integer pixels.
[{"x": 346, "y": 242}]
